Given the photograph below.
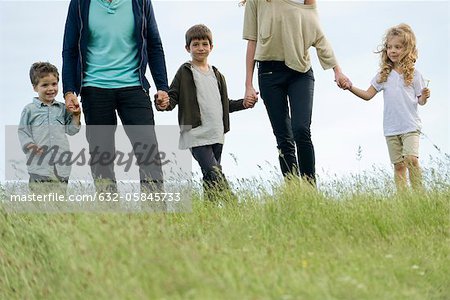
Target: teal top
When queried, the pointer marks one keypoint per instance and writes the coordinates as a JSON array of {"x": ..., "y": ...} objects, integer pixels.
[{"x": 112, "y": 59}]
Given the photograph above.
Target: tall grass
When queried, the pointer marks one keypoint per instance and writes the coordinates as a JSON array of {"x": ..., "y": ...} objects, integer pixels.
[{"x": 353, "y": 238}]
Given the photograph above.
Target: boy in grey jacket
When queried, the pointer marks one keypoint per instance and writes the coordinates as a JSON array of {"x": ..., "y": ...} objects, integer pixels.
[{"x": 200, "y": 91}]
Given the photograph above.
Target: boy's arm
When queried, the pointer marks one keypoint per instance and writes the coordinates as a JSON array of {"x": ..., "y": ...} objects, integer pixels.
[
  {"x": 365, "y": 95},
  {"x": 233, "y": 105},
  {"x": 24, "y": 131},
  {"x": 174, "y": 91},
  {"x": 423, "y": 99},
  {"x": 236, "y": 105},
  {"x": 173, "y": 98},
  {"x": 72, "y": 121},
  {"x": 167, "y": 103},
  {"x": 76, "y": 118}
]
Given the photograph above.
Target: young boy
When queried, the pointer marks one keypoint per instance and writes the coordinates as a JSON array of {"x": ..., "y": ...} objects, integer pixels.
[
  {"x": 200, "y": 91},
  {"x": 44, "y": 124}
]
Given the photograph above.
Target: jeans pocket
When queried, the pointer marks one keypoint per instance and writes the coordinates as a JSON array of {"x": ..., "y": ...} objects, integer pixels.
[{"x": 265, "y": 73}]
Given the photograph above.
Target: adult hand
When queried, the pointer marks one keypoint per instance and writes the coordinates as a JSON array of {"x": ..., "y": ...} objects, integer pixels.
[
  {"x": 346, "y": 85},
  {"x": 161, "y": 100},
  {"x": 72, "y": 104},
  {"x": 251, "y": 93},
  {"x": 342, "y": 81},
  {"x": 250, "y": 100}
]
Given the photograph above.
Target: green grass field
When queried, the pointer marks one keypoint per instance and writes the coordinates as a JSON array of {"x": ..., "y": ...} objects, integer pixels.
[{"x": 297, "y": 243}]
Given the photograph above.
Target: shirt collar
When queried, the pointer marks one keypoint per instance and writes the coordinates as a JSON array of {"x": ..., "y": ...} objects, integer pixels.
[{"x": 39, "y": 103}]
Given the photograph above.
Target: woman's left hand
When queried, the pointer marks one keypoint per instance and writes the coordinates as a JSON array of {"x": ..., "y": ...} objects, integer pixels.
[{"x": 341, "y": 80}]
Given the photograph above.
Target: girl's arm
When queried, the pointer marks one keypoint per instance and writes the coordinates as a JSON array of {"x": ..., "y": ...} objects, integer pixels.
[
  {"x": 365, "y": 95},
  {"x": 423, "y": 99}
]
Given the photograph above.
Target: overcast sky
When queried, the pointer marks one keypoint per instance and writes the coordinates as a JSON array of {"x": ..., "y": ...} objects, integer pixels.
[{"x": 32, "y": 31}]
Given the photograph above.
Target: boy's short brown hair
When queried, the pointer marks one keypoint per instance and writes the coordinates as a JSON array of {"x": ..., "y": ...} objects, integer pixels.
[
  {"x": 198, "y": 31},
  {"x": 39, "y": 70}
]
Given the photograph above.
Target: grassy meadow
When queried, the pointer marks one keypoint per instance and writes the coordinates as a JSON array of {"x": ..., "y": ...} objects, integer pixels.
[{"x": 353, "y": 238}]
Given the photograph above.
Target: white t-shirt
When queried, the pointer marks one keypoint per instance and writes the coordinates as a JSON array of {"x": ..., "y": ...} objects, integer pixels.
[
  {"x": 211, "y": 113},
  {"x": 400, "y": 103}
]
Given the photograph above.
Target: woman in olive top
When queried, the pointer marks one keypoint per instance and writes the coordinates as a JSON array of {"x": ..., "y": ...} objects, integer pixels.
[{"x": 279, "y": 34}]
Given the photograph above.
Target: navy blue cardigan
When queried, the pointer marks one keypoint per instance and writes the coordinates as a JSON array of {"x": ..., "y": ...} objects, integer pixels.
[{"x": 148, "y": 42}]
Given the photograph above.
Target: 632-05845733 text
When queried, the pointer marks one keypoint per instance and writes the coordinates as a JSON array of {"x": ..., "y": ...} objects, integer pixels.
[{"x": 102, "y": 197}]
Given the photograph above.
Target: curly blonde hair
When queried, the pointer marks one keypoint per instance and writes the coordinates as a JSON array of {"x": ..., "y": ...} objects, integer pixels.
[{"x": 406, "y": 64}]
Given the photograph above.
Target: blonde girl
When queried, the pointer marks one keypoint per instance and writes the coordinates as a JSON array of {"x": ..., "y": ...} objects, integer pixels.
[{"x": 403, "y": 89}]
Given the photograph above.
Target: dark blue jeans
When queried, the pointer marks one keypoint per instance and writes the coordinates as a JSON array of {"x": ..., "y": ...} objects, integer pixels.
[
  {"x": 133, "y": 105},
  {"x": 288, "y": 97},
  {"x": 208, "y": 157}
]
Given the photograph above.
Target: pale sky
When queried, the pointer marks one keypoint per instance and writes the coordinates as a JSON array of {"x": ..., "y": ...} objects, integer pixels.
[{"x": 32, "y": 31}]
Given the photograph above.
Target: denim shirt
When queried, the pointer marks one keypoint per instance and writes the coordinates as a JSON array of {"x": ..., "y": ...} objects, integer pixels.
[{"x": 46, "y": 126}]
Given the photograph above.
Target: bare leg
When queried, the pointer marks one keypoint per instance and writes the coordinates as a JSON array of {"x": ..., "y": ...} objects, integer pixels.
[
  {"x": 400, "y": 176},
  {"x": 415, "y": 173}
]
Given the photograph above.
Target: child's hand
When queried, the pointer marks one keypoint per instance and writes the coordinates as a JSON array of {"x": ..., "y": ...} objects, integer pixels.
[
  {"x": 161, "y": 100},
  {"x": 341, "y": 80},
  {"x": 346, "y": 84},
  {"x": 74, "y": 109},
  {"x": 426, "y": 93},
  {"x": 35, "y": 149},
  {"x": 72, "y": 104},
  {"x": 423, "y": 99}
]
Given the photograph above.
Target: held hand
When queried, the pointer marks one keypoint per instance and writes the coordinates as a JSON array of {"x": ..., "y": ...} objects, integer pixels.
[
  {"x": 346, "y": 85},
  {"x": 158, "y": 103},
  {"x": 72, "y": 104},
  {"x": 250, "y": 101},
  {"x": 161, "y": 100},
  {"x": 251, "y": 93},
  {"x": 75, "y": 110},
  {"x": 342, "y": 81}
]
